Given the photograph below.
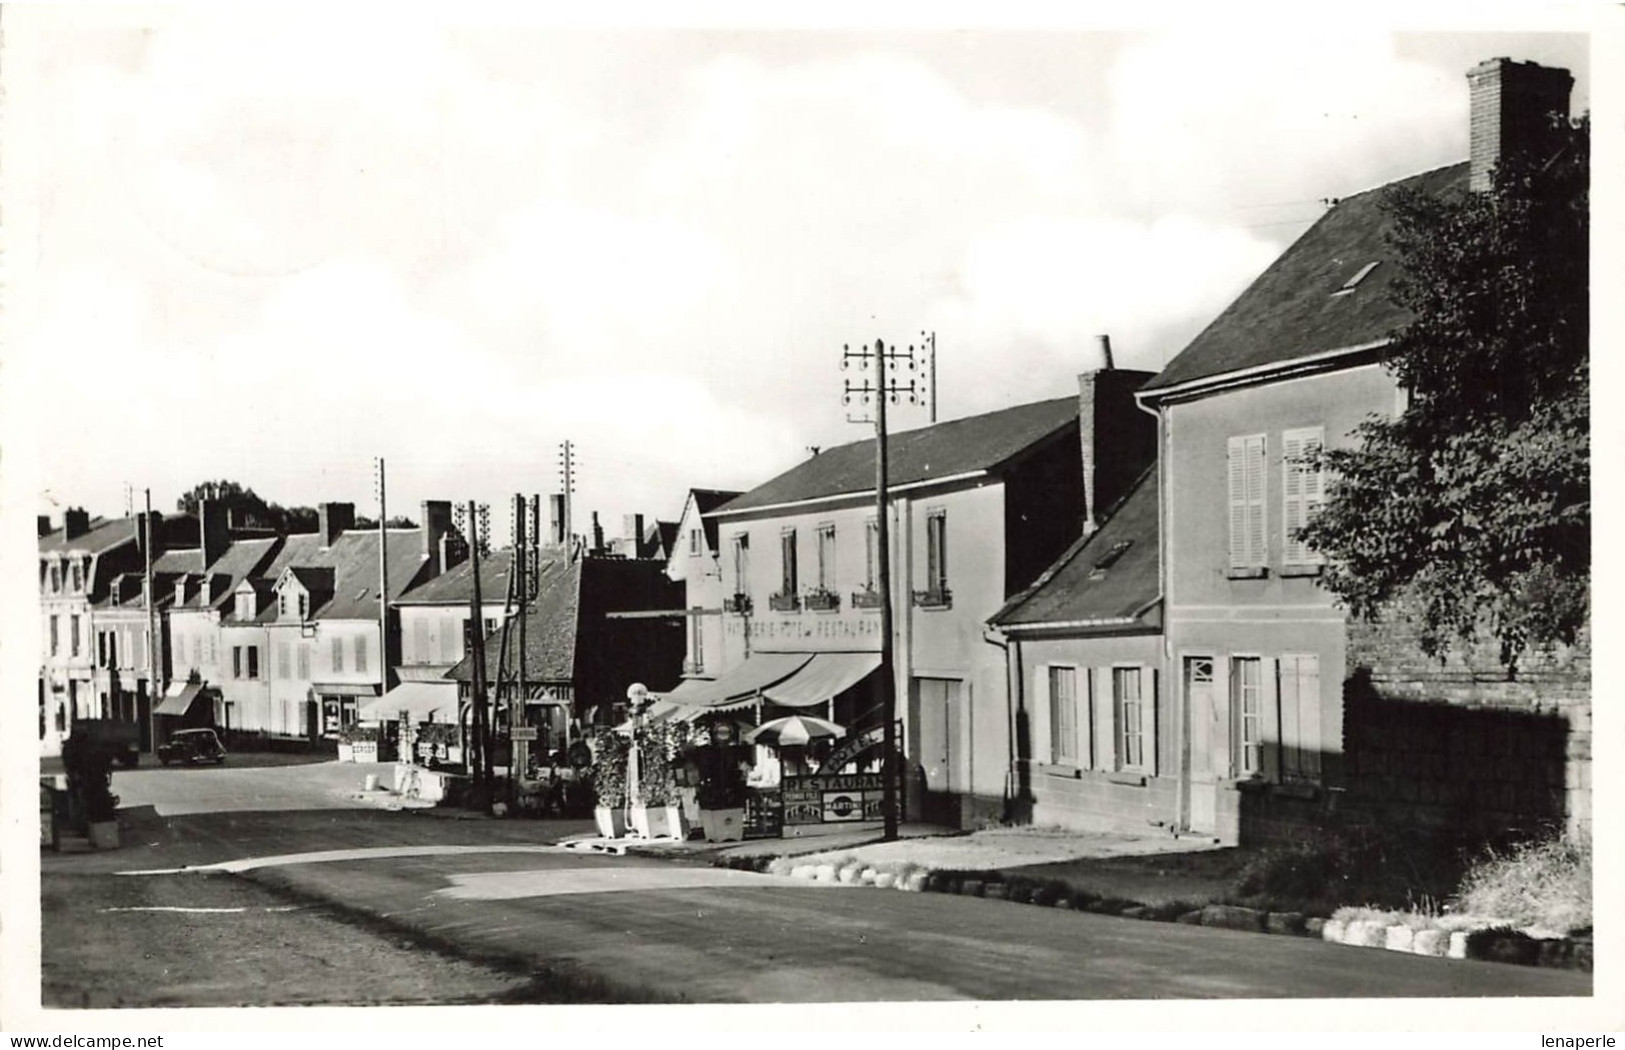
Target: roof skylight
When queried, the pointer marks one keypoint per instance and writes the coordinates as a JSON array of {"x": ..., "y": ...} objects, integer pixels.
[{"x": 1360, "y": 275}]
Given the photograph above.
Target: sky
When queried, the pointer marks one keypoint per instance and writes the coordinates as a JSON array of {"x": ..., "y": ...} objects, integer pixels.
[{"x": 271, "y": 250}]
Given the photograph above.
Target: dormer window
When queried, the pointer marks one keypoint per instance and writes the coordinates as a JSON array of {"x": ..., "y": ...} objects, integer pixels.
[
  {"x": 78, "y": 576},
  {"x": 56, "y": 577},
  {"x": 695, "y": 546},
  {"x": 282, "y": 604},
  {"x": 245, "y": 607},
  {"x": 1354, "y": 282},
  {"x": 304, "y": 607}
]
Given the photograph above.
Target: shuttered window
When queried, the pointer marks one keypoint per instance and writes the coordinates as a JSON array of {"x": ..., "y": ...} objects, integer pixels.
[
  {"x": 338, "y": 655},
  {"x": 1302, "y": 491},
  {"x": 1246, "y": 478},
  {"x": 1247, "y": 696},
  {"x": 304, "y": 661},
  {"x": 1135, "y": 715},
  {"x": 361, "y": 654},
  {"x": 420, "y": 642},
  {"x": 1063, "y": 716},
  {"x": 1299, "y": 690}
]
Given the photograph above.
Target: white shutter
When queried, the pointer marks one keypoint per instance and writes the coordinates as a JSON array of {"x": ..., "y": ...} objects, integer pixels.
[
  {"x": 1148, "y": 719},
  {"x": 1269, "y": 721},
  {"x": 1309, "y": 715},
  {"x": 1044, "y": 711},
  {"x": 1105, "y": 712},
  {"x": 1302, "y": 490},
  {"x": 1235, "y": 459},
  {"x": 1292, "y": 742},
  {"x": 1255, "y": 501}
]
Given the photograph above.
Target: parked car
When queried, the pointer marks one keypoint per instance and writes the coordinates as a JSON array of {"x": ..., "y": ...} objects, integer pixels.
[{"x": 193, "y": 745}]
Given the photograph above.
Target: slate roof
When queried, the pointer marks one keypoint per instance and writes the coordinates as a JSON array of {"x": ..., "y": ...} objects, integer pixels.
[
  {"x": 103, "y": 534},
  {"x": 314, "y": 580},
  {"x": 1290, "y": 311},
  {"x": 566, "y": 626},
  {"x": 353, "y": 561},
  {"x": 705, "y": 501},
  {"x": 960, "y": 446},
  {"x": 241, "y": 558},
  {"x": 456, "y": 585},
  {"x": 181, "y": 561},
  {"x": 1106, "y": 581}
]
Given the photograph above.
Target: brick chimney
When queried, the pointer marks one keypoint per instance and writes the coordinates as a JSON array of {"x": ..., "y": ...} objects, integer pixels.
[
  {"x": 1512, "y": 106},
  {"x": 75, "y": 523},
  {"x": 555, "y": 528},
  {"x": 44, "y": 523},
  {"x": 632, "y": 535},
  {"x": 333, "y": 519},
  {"x": 597, "y": 535},
  {"x": 436, "y": 526},
  {"x": 214, "y": 529},
  {"x": 1116, "y": 439}
]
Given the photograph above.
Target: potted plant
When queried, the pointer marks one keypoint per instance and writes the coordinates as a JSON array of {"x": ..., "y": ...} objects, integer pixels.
[
  {"x": 722, "y": 801},
  {"x": 608, "y": 771},
  {"x": 658, "y": 812},
  {"x": 89, "y": 768}
]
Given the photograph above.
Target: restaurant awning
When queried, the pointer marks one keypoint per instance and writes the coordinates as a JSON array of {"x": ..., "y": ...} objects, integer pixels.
[
  {"x": 740, "y": 686},
  {"x": 178, "y": 700},
  {"x": 825, "y": 675},
  {"x": 418, "y": 700}
]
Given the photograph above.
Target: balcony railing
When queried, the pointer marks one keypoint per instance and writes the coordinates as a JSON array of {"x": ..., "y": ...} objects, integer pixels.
[
  {"x": 823, "y": 601},
  {"x": 784, "y": 603},
  {"x": 936, "y": 598},
  {"x": 868, "y": 598},
  {"x": 736, "y": 603}
]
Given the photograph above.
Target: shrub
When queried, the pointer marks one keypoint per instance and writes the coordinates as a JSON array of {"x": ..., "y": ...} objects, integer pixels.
[
  {"x": 1536, "y": 886},
  {"x": 609, "y": 752}
]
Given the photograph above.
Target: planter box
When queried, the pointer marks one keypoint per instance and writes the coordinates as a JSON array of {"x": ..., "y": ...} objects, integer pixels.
[
  {"x": 104, "y": 834},
  {"x": 651, "y": 822},
  {"x": 723, "y": 825},
  {"x": 611, "y": 822}
]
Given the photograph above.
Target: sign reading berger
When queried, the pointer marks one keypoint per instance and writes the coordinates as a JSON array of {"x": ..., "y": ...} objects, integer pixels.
[{"x": 832, "y": 798}]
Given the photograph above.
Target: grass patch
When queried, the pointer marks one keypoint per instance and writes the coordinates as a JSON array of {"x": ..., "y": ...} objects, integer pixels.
[
  {"x": 1543, "y": 886},
  {"x": 1355, "y": 868}
]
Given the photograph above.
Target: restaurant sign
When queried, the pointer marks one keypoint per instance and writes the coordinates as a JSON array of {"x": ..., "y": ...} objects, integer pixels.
[{"x": 832, "y": 798}]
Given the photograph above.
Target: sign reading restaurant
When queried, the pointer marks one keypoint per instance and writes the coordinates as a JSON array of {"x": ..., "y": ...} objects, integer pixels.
[{"x": 809, "y": 631}]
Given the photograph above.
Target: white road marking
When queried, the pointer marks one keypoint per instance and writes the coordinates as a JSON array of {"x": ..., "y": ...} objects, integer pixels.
[
  {"x": 324, "y": 856},
  {"x": 198, "y": 911},
  {"x": 551, "y": 882}
]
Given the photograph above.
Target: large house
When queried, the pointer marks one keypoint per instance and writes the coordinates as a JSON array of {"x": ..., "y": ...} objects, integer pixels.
[
  {"x": 79, "y": 564},
  {"x": 1256, "y": 649},
  {"x": 977, "y": 507}
]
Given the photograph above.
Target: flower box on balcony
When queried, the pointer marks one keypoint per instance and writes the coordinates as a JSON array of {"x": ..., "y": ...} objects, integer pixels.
[
  {"x": 869, "y": 599},
  {"x": 784, "y": 603},
  {"x": 823, "y": 601},
  {"x": 936, "y": 599},
  {"x": 736, "y": 603}
]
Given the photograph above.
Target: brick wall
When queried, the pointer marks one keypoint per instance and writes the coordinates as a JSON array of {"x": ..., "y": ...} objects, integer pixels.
[{"x": 1456, "y": 742}]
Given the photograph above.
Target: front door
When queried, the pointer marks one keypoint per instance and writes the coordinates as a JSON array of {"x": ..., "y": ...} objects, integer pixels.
[
  {"x": 1203, "y": 726},
  {"x": 936, "y": 714}
]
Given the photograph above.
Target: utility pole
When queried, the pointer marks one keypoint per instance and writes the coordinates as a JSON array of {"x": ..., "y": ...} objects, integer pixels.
[
  {"x": 154, "y": 688},
  {"x": 567, "y": 463},
  {"x": 929, "y": 342},
  {"x": 481, "y": 753},
  {"x": 882, "y": 391},
  {"x": 520, "y": 574},
  {"x": 383, "y": 583}
]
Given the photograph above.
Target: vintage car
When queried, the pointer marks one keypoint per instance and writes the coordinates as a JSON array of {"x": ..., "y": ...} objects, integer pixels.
[{"x": 193, "y": 745}]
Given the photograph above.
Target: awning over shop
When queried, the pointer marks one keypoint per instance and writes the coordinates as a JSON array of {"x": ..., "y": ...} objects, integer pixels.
[
  {"x": 740, "y": 686},
  {"x": 419, "y": 700},
  {"x": 178, "y": 700},
  {"x": 345, "y": 688},
  {"x": 824, "y": 675}
]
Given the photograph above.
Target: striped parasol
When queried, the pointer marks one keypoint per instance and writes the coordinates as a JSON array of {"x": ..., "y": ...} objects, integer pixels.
[{"x": 793, "y": 731}]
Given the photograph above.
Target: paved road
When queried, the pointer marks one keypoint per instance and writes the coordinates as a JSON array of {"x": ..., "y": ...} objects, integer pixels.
[
  {"x": 698, "y": 935},
  {"x": 239, "y": 787}
]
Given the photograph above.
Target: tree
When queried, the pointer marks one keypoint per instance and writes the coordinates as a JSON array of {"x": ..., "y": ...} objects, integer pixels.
[
  {"x": 248, "y": 508},
  {"x": 1472, "y": 507},
  {"x": 398, "y": 521}
]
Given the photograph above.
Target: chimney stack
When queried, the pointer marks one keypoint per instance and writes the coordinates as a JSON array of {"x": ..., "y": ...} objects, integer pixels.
[
  {"x": 213, "y": 529},
  {"x": 75, "y": 523},
  {"x": 597, "y": 535},
  {"x": 332, "y": 521},
  {"x": 436, "y": 526},
  {"x": 632, "y": 533},
  {"x": 1512, "y": 106},
  {"x": 1105, "y": 342},
  {"x": 1116, "y": 439},
  {"x": 44, "y": 523},
  {"x": 555, "y": 529}
]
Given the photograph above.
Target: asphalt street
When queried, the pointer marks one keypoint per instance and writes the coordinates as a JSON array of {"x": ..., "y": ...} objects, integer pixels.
[{"x": 576, "y": 925}]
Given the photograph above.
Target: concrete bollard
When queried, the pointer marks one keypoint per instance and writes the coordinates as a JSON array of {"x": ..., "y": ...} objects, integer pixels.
[
  {"x": 1458, "y": 944},
  {"x": 868, "y": 876},
  {"x": 1365, "y": 934},
  {"x": 1430, "y": 942},
  {"x": 1334, "y": 930},
  {"x": 803, "y": 871},
  {"x": 826, "y": 873},
  {"x": 370, "y": 782},
  {"x": 1399, "y": 938},
  {"x": 884, "y": 880},
  {"x": 916, "y": 882}
]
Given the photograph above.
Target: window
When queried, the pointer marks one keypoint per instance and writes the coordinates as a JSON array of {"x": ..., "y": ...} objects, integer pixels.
[
  {"x": 420, "y": 641},
  {"x": 826, "y": 557},
  {"x": 1247, "y": 693},
  {"x": 1246, "y": 477},
  {"x": 236, "y": 661},
  {"x": 697, "y": 640},
  {"x": 695, "y": 542},
  {"x": 304, "y": 607},
  {"x": 936, "y": 552},
  {"x": 284, "y": 661},
  {"x": 245, "y": 606},
  {"x": 78, "y": 576},
  {"x": 741, "y": 560},
  {"x": 1302, "y": 491},
  {"x": 101, "y": 649},
  {"x": 1063, "y": 716},
  {"x": 73, "y": 635},
  {"x": 450, "y": 651},
  {"x": 1298, "y": 686},
  {"x": 56, "y": 644},
  {"x": 56, "y": 577},
  {"x": 787, "y": 556},
  {"x": 1129, "y": 707},
  {"x": 361, "y": 654},
  {"x": 338, "y": 655},
  {"x": 871, "y": 554},
  {"x": 253, "y": 661},
  {"x": 1360, "y": 275},
  {"x": 197, "y": 650},
  {"x": 304, "y": 662},
  {"x": 282, "y": 604}
]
